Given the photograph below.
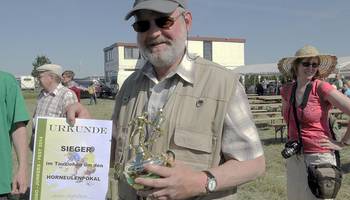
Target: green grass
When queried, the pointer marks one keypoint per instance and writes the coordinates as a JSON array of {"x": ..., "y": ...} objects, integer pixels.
[
  {"x": 29, "y": 94},
  {"x": 271, "y": 186}
]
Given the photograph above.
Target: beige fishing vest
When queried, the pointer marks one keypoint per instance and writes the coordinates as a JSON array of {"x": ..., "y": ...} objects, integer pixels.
[{"x": 194, "y": 117}]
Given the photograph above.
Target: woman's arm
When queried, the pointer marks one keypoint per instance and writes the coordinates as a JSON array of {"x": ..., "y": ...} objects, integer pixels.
[
  {"x": 339, "y": 100},
  {"x": 342, "y": 102}
]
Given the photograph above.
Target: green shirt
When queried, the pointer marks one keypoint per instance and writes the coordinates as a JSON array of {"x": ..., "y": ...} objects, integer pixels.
[{"x": 12, "y": 110}]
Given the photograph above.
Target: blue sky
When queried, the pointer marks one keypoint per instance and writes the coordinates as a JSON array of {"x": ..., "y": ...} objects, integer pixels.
[{"x": 73, "y": 33}]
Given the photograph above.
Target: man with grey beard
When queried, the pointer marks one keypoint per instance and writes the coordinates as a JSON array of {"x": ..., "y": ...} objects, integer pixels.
[{"x": 207, "y": 124}]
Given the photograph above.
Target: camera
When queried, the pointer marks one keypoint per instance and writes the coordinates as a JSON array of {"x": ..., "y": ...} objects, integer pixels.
[{"x": 291, "y": 148}]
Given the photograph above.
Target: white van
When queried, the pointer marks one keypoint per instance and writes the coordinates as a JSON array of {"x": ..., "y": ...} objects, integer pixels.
[{"x": 27, "y": 82}]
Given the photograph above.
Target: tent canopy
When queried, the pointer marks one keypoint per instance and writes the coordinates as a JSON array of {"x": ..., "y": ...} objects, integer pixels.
[
  {"x": 271, "y": 68},
  {"x": 263, "y": 69},
  {"x": 344, "y": 64}
]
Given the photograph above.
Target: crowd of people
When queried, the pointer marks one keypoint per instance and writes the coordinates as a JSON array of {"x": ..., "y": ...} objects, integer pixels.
[{"x": 207, "y": 120}]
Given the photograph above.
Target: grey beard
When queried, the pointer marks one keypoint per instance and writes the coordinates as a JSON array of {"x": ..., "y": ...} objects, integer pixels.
[
  {"x": 169, "y": 57},
  {"x": 164, "y": 60}
]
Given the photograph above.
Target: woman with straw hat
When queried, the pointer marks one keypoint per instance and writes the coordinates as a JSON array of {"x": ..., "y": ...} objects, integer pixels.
[{"x": 306, "y": 102}]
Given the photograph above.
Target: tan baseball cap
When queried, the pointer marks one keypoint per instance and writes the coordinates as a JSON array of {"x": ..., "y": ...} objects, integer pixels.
[{"x": 161, "y": 6}]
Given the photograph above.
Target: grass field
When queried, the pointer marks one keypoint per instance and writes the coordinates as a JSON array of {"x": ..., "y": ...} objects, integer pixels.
[{"x": 268, "y": 187}]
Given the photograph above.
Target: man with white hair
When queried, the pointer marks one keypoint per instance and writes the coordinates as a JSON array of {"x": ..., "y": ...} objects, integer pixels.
[{"x": 54, "y": 98}]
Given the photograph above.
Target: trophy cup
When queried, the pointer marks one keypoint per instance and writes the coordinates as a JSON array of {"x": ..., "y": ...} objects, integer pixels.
[{"x": 134, "y": 168}]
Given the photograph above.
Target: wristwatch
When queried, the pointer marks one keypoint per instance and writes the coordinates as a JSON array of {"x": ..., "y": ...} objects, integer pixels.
[{"x": 211, "y": 182}]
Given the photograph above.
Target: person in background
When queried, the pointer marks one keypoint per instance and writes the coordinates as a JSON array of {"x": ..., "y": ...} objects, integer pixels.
[
  {"x": 259, "y": 89},
  {"x": 347, "y": 89},
  {"x": 308, "y": 68},
  {"x": 264, "y": 84},
  {"x": 92, "y": 92},
  {"x": 54, "y": 98},
  {"x": 338, "y": 82},
  {"x": 67, "y": 80},
  {"x": 13, "y": 120}
]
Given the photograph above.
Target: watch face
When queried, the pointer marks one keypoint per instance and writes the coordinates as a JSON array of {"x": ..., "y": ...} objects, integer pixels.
[{"x": 211, "y": 185}]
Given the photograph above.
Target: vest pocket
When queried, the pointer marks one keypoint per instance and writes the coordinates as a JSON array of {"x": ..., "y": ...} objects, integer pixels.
[{"x": 193, "y": 148}]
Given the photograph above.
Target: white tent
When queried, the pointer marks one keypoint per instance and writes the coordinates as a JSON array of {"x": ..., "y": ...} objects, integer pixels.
[
  {"x": 262, "y": 69},
  {"x": 344, "y": 64},
  {"x": 271, "y": 68}
]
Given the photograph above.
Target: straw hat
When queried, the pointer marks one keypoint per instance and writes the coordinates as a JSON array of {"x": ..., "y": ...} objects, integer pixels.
[{"x": 327, "y": 62}]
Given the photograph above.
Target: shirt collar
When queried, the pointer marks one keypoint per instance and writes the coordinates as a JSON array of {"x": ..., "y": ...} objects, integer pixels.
[
  {"x": 184, "y": 70},
  {"x": 54, "y": 92}
]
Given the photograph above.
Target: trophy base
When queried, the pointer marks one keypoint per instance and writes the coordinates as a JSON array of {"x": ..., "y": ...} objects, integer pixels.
[
  {"x": 130, "y": 178},
  {"x": 133, "y": 171}
]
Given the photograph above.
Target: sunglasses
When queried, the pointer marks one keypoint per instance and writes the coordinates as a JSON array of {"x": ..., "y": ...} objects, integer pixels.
[
  {"x": 162, "y": 22},
  {"x": 307, "y": 64}
]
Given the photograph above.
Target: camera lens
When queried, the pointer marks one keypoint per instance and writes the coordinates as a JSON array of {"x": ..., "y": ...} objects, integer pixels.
[{"x": 290, "y": 149}]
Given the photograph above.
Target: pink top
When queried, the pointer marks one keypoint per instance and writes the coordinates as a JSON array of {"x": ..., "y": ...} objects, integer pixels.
[{"x": 313, "y": 120}]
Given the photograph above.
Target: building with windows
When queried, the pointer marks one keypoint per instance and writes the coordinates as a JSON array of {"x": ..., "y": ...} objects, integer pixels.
[{"x": 121, "y": 59}]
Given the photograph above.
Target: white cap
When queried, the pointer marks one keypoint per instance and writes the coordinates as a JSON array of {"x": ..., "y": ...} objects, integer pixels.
[{"x": 56, "y": 69}]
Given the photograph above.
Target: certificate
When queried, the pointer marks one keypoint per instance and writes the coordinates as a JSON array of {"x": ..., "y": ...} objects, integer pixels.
[{"x": 71, "y": 162}]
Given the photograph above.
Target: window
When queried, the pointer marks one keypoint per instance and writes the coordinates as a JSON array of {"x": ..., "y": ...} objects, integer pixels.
[
  {"x": 131, "y": 53},
  {"x": 208, "y": 50},
  {"x": 106, "y": 56},
  {"x": 109, "y": 55}
]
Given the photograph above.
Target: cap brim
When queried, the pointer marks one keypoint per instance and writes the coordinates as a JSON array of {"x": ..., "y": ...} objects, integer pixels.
[{"x": 160, "y": 6}]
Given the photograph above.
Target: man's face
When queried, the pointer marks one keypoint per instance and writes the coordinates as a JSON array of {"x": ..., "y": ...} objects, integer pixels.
[
  {"x": 66, "y": 79},
  {"x": 45, "y": 80},
  {"x": 163, "y": 46}
]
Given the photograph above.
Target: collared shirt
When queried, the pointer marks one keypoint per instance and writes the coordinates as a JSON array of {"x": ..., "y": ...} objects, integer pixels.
[
  {"x": 240, "y": 136},
  {"x": 53, "y": 104}
]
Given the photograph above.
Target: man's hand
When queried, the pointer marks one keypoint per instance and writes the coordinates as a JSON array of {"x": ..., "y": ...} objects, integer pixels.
[
  {"x": 76, "y": 110},
  {"x": 20, "y": 182},
  {"x": 177, "y": 182}
]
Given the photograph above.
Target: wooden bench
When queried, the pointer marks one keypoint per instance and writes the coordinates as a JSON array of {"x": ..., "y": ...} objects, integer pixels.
[
  {"x": 256, "y": 101},
  {"x": 262, "y": 125},
  {"x": 279, "y": 127},
  {"x": 276, "y": 123},
  {"x": 258, "y": 111},
  {"x": 268, "y": 106},
  {"x": 273, "y": 120},
  {"x": 255, "y": 114}
]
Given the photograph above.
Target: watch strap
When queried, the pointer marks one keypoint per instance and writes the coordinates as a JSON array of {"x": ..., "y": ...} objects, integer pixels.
[
  {"x": 210, "y": 177},
  {"x": 209, "y": 174}
]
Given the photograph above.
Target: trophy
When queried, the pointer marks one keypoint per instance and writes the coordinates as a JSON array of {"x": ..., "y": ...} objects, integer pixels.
[{"x": 135, "y": 167}]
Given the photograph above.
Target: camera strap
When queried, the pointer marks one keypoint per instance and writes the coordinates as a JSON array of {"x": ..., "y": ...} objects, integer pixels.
[{"x": 292, "y": 101}]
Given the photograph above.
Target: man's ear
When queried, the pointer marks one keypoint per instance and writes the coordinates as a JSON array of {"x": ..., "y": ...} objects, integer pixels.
[{"x": 188, "y": 20}]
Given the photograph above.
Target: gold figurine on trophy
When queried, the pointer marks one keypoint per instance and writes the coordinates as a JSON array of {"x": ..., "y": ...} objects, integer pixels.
[{"x": 134, "y": 168}]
